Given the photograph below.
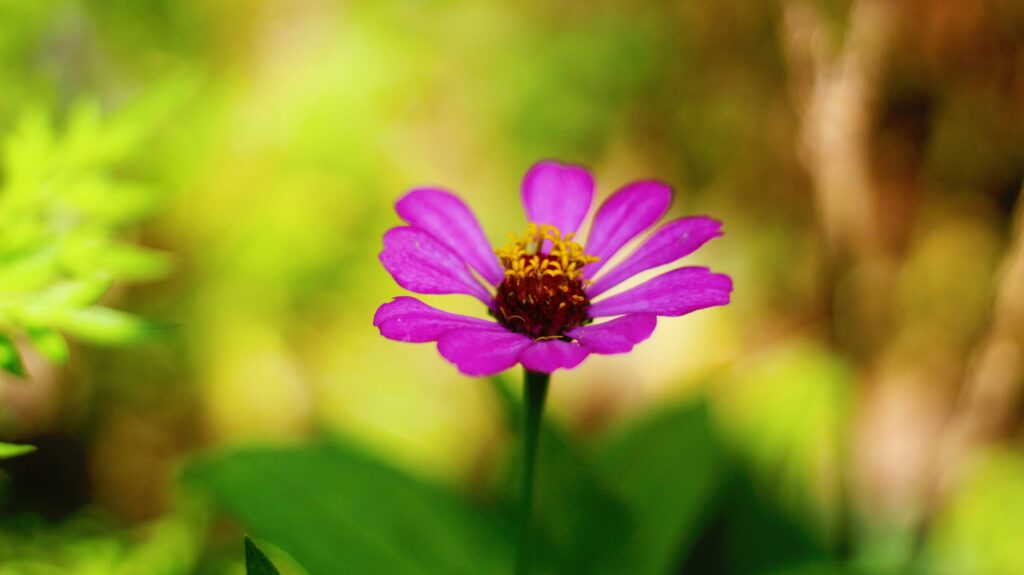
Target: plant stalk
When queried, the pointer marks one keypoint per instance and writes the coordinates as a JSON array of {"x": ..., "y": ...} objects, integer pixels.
[{"x": 535, "y": 391}]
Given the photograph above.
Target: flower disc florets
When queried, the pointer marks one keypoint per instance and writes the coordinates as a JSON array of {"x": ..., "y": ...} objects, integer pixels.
[{"x": 543, "y": 294}]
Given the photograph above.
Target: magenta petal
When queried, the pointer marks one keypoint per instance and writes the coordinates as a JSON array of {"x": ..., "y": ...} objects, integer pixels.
[
  {"x": 670, "y": 242},
  {"x": 618, "y": 335},
  {"x": 476, "y": 351},
  {"x": 557, "y": 194},
  {"x": 420, "y": 263},
  {"x": 548, "y": 355},
  {"x": 408, "y": 319},
  {"x": 449, "y": 220},
  {"x": 628, "y": 212},
  {"x": 674, "y": 293}
]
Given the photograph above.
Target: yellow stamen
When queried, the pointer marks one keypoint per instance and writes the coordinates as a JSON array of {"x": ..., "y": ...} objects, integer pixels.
[{"x": 522, "y": 256}]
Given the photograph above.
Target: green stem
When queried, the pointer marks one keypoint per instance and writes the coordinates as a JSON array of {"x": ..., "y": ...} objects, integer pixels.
[{"x": 535, "y": 390}]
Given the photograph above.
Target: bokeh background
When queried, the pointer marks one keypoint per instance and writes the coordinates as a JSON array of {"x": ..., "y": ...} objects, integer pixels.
[{"x": 227, "y": 168}]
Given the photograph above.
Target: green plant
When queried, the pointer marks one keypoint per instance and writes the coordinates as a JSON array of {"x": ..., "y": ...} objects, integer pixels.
[
  {"x": 256, "y": 563},
  {"x": 67, "y": 206}
]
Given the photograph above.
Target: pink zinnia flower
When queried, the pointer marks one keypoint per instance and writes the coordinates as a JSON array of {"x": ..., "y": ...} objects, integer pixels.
[{"x": 544, "y": 291}]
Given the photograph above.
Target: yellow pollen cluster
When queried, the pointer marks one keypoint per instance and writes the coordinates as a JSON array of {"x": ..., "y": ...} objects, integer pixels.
[{"x": 522, "y": 256}]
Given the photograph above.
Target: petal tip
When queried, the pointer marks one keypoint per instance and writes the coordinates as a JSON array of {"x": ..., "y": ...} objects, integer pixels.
[
  {"x": 557, "y": 194},
  {"x": 549, "y": 356},
  {"x": 407, "y": 203}
]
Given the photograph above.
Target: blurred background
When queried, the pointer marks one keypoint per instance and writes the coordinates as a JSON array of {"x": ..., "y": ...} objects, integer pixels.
[{"x": 223, "y": 171}]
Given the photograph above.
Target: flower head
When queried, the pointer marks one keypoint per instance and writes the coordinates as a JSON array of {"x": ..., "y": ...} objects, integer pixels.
[{"x": 544, "y": 289}]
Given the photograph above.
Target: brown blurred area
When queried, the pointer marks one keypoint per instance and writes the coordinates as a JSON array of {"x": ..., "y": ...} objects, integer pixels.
[{"x": 911, "y": 135}]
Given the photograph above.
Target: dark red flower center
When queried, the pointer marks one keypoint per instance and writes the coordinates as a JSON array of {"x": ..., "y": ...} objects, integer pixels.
[{"x": 543, "y": 294}]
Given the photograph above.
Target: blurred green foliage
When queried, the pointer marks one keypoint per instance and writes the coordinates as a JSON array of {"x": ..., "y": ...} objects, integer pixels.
[
  {"x": 976, "y": 532},
  {"x": 633, "y": 505},
  {"x": 8, "y": 450},
  {"x": 91, "y": 545},
  {"x": 63, "y": 213},
  {"x": 228, "y": 167},
  {"x": 755, "y": 413}
]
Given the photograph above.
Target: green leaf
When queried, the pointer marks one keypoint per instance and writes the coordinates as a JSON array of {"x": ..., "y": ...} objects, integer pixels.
[
  {"x": 116, "y": 259},
  {"x": 333, "y": 507},
  {"x": 10, "y": 359},
  {"x": 9, "y": 450},
  {"x": 110, "y": 201},
  {"x": 667, "y": 467},
  {"x": 759, "y": 537},
  {"x": 102, "y": 325},
  {"x": 28, "y": 272},
  {"x": 256, "y": 563},
  {"x": 50, "y": 344},
  {"x": 76, "y": 293}
]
